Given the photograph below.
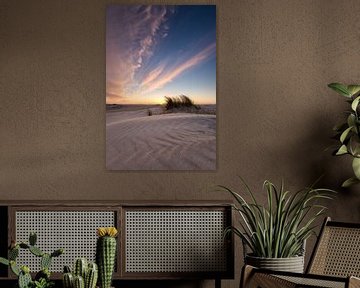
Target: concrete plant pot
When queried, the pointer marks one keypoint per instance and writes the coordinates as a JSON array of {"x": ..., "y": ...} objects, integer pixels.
[{"x": 291, "y": 264}]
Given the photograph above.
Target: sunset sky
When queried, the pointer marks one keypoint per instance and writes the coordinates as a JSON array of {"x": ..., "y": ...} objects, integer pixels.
[{"x": 157, "y": 51}]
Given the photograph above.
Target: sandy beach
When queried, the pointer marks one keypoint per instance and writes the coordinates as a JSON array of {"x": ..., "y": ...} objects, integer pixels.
[{"x": 176, "y": 141}]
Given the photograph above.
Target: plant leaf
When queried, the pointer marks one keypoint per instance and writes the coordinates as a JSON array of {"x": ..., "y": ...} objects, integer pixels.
[
  {"x": 349, "y": 182},
  {"x": 356, "y": 167},
  {"x": 340, "y": 88},
  {"x": 355, "y": 103},
  {"x": 353, "y": 89},
  {"x": 345, "y": 134},
  {"x": 4, "y": 261},
  {"x": 351, "y": 120},
  {"x": 342, "y": 150}
]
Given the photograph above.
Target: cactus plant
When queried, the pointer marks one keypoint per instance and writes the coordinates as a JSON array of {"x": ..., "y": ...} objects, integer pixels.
[
  {"x": 105, "y": 254},
  {"x": 84, "y": 274},
  {"x": 91, "y": 276},
  {"x": 24, "y": 280},
  {"x": 80, "y": 268},
  {"x": 68, "y": 280},
  {"x": 42, "y": 278},
  {"x": 79, "y": 282}
]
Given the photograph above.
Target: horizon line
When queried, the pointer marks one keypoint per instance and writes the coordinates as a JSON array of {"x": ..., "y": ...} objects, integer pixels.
[{"x": 155, "y": 104}]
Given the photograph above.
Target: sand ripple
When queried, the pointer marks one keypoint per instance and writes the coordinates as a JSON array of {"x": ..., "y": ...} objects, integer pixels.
[{"x": 181, "y": 141}]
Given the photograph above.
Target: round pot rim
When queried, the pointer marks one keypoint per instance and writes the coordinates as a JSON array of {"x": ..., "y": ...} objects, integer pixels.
[{"x": 257, "y": 257}]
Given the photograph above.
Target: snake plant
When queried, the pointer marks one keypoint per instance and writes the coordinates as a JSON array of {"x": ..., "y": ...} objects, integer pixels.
[
  {"x": 348, "y": 132},
  {"x": 279, "y": 228}
]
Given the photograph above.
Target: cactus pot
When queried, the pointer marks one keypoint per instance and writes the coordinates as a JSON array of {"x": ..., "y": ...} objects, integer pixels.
[{"x": 291, "y": 264}]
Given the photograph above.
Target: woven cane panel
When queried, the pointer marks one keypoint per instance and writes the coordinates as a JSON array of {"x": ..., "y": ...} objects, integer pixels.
[
  {"x": 308, "y": 282},
  {"x": 74, "y": 231},
  {"x": 175, "y": 241},
  {"x": 268, "y": 280},
  {"x": 338, "y": 253}
]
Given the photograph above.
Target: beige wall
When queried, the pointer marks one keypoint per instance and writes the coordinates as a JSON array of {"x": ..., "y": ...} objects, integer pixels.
[{"x": 275, "y": 112}]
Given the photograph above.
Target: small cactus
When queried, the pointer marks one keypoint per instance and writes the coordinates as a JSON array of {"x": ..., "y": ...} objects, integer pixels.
[
  {"x": 79, "y": 282},
  {"x": 68, "y": 280},
  {"x": 106, "y": 254},
  {"x": 42, "y": 278},
  {"x": 84, "y": 274},
  {"x": 80, "y": 268},
  {"x": 91, "y": 276}
]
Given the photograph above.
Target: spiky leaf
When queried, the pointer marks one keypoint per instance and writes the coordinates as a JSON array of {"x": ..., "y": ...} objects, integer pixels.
[
  {"x": 340, "y": 88},
  {"x": 280, "y": 228}
]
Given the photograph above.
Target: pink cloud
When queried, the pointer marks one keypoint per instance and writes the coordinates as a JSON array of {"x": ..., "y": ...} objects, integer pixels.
[
  {"x": 152, "y": 75},
  {"x": 155, "y": 79},
  {"x": 131, "y": 36}
]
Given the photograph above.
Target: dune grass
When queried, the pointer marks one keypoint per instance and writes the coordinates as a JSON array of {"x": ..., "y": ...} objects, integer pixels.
[{"x": 178, "y": 102}]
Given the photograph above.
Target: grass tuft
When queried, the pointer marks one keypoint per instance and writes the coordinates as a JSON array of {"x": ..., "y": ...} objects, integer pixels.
[{"x": 178, "y": 102}]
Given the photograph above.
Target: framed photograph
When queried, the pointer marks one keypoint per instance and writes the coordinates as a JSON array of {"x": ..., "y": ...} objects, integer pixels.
[{"x": 161, "y": 87}]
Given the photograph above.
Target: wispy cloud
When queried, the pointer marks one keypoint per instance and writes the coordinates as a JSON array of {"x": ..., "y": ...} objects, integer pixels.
[
  {"x": 149, "y": 47},
  {"x": 132, "y": 33},
  {"x": 152, "y": 75},
  {"x": 156, "y": 79}
]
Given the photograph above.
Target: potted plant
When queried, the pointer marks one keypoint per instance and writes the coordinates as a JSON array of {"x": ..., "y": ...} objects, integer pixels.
[
  {"x": 276, "y": 233},
  {"x": 348, "y": 132}
]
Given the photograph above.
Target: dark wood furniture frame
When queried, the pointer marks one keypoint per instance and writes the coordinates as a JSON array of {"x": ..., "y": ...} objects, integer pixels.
[
  {"x": 9, "y": 208},
  {"x": 262, "y": 278}
]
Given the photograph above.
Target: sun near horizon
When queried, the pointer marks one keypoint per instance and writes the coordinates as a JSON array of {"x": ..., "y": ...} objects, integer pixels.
[
  {"x": 161, "y": 100},
  {"x": 153, "y": 51}
]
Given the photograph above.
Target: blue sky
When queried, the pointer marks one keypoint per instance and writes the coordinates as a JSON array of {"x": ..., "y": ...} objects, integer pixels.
[{"x": 156, "y": 51}]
